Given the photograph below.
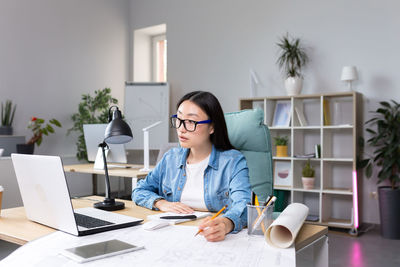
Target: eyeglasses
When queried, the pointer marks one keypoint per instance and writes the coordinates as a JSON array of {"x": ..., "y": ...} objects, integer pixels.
[{"x": 189, "y": 125}]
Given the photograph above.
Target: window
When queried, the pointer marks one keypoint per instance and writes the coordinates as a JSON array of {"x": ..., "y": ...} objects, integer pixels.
[
  {"x": 150, "y": 54},
  {"x": 159, "y": 58}
]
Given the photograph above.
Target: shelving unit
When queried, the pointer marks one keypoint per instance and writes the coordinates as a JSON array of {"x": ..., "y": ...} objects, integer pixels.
[{"x": 332, "y": 122}]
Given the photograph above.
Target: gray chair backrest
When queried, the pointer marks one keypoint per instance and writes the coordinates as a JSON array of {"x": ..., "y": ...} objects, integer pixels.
[{"x": 248, "y": 133}]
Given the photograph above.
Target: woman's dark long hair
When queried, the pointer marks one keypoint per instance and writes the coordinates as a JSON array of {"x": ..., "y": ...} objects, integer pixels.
[{"x": 211, "y": 106}]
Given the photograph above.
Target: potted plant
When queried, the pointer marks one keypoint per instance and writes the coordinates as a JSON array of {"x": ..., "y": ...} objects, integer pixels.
[
  {"x": 7, "y": 117},
  {"x": 292, "y": 59},
  {"x": 308, "y": 173},
  {"x": 90, "y": 111},
  {"x": 39, "y": 128},
  {"x": 281, "y": 146},
  {"x": 384, "y": 130}
]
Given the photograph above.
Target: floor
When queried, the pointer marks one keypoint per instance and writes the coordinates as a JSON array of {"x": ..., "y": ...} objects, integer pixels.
[{"x": 369, "y": 249}]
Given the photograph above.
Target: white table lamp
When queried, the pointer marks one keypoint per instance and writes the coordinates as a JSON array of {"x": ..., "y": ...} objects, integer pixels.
[
  {"x": 146, "y": 149},
  {"x": 349, "y": 74}
]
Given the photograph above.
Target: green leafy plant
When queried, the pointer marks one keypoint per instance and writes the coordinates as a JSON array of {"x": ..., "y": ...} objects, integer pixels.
[
  {"x": 308, "y": 170},
  {"x": 281, "y": 140},
  {"x": 90, "y": 111},
  {"x": 384, "y": 128},
  {"x": 39, "y": 129},
  {"x": 292, "y": 57},
  {"x": 7, "y": 113}
]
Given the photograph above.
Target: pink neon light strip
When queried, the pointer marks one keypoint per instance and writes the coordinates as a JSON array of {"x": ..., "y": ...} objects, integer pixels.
[{"x": 355, "y": 199}]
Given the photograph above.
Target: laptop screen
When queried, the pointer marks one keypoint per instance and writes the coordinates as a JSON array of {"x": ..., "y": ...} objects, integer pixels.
[{"x": 94, "y": 135}]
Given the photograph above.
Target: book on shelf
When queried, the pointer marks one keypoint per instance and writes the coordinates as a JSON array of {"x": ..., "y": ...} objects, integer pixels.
[
  {"x": 305, "y": 156},
  {"x": 282, "y": 114},
  {"x": 300, "y": 117},
  {"x": 318, "y": 151},
  {"x": 327, "y": 114}
]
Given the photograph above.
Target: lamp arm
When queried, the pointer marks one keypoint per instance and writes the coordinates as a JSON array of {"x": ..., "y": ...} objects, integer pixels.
[{"x": 107, "y": 193}]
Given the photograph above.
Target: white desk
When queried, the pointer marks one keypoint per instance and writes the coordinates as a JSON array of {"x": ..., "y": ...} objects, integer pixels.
[
  {"x": 132, "y": 172},
  {"x": 15, "y": 227}
]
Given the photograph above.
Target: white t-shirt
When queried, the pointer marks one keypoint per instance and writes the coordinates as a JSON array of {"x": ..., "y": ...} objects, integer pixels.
[{"x": 193, "y": 191}]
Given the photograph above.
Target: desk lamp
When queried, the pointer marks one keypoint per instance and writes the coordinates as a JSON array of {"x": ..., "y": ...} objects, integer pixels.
[
  {"x": 117, "y": 132},
  {"x": 349, "y": 74}
]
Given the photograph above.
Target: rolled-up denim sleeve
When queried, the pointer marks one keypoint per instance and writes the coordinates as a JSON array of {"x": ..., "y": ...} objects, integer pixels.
[
  {"x": 240, "y": 194},
  {"x": 147, "y": 190}
]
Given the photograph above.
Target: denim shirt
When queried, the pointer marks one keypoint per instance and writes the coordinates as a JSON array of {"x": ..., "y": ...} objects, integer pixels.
[{"x": 226, "y": 182}]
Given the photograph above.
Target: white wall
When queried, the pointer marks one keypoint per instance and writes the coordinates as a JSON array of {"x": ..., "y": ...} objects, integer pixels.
[
  {"x": 52, "y": 52},
  {"x": 213, "y": 44},
  {"x": 142, "y": 55}
]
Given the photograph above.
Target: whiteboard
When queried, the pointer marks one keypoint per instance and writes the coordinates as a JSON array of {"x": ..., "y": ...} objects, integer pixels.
[{"x": 145, "y": 104}]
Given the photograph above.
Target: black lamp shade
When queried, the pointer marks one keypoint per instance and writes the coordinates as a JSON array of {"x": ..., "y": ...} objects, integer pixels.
[{"x": 118, "y": 131}]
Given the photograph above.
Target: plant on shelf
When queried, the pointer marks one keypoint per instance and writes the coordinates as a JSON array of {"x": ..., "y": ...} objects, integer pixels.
[
  {"x": 384, "y": 130},
  {"x": 90, "y": 111},
  {"x": 292, "y": 59},
  {"x": 7, "y": 117},
  {"x": 281, "y": 143},
  {"x": 308, "y": 173},
  {"x": 39, "y": 128}
]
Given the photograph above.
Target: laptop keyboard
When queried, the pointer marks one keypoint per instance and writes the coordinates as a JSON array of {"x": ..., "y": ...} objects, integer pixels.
[{"x": 89, "y": 222}]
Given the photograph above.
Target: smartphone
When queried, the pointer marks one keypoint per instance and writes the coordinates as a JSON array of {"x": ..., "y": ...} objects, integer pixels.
[{"x": 99, "y": 250}]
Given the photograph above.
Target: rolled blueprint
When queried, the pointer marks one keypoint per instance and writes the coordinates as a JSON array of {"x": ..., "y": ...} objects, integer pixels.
[{"x": 283, "y": 231}]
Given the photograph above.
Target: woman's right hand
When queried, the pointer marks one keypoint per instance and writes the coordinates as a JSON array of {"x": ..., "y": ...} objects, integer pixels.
[{"x": 176, "y": 207}]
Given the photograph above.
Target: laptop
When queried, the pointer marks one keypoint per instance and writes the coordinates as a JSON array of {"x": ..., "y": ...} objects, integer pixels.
[
  {"x": 94, "y": 135},
  {"x": 46, "y": 199}
]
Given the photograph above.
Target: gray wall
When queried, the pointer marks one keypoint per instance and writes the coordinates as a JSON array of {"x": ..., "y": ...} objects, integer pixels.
[
  {"x": 53, "y": 51},
  {"x": 213, "y": 44}
]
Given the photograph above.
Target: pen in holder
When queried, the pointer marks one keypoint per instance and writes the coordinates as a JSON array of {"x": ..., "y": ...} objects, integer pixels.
[{"x": 259, "y": 219}]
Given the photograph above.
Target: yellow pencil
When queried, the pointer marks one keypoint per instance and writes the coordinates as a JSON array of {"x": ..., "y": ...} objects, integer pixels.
[
  {"x": 213, "y": 217},
  {"x": 257, "y": 204}
]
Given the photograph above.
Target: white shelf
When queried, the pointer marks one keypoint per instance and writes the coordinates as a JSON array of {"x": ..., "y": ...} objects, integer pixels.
[
  {"x": 306, "y": 190},
  {"x": 278, "y": 128},
  {"x": 331, "y": 199},
  {"x": 345, "y": 126},
  {"x": 305, "y": 159},
  {"x": 282, "y": 158},
  {"x": 307, "y": 127},
  {"x": 338, "y": 191},
  {"x": 338, "y": 159}
]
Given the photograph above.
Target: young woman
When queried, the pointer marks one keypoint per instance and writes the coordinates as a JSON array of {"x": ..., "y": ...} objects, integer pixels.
[{"x": 204, "y": 174}]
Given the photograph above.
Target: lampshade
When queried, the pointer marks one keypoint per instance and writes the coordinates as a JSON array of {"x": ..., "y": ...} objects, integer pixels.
[
  {"x": 117, "y": 131},
  {"x": 349, "y": 73}
]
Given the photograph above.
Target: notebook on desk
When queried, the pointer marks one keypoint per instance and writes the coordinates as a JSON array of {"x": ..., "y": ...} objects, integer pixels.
[{"x": 46, "y": 198}]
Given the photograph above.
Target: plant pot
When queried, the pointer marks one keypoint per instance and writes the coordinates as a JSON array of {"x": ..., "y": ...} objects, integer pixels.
[
  {"x": 389, "y": 202},
  {"x": 293, "y": 85},
  {"x": 308, "y": 182},
  {"x": 6, "y": 130},
  {"x": 25, "y": 148},
  {"x": 281, "y": 151}
]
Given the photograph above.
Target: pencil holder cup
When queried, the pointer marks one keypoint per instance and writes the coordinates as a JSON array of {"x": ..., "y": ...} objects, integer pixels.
[{"x": 259, "y": 218}]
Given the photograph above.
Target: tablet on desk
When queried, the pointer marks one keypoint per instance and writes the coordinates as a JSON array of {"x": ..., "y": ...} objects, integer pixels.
[{"x": 99, "y": 250}]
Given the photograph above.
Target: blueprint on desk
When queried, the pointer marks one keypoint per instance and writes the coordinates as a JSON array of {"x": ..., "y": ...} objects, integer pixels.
[{"x": 169, "y": 246}]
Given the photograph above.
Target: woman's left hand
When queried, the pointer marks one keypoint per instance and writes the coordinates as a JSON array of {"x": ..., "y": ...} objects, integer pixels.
[{"x": 215, "y": 230}]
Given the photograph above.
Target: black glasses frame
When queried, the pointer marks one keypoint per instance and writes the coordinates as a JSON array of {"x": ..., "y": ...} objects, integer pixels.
[{"x": 176, "y": 126}]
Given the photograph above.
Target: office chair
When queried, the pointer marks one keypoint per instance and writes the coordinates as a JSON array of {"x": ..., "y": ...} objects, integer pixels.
[{"x": 248, "y": 133}]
